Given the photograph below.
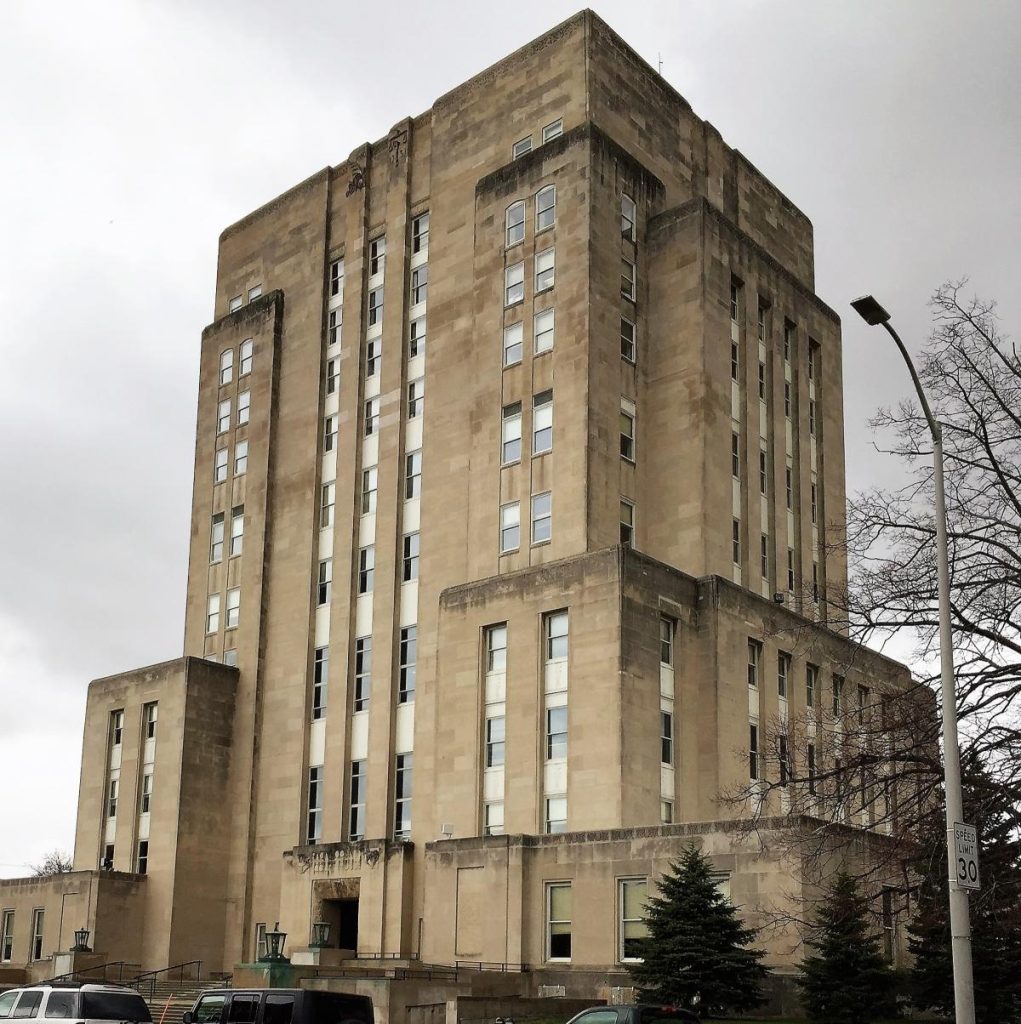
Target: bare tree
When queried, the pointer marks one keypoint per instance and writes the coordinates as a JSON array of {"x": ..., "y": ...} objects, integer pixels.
[{"x": 56, "y": 862}]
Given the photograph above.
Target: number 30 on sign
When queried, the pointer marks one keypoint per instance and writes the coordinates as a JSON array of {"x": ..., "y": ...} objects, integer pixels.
[{"x": 966, "y": 856}]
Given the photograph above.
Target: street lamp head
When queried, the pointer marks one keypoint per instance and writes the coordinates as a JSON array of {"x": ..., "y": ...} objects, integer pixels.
[{"x": 870, "y": 311}]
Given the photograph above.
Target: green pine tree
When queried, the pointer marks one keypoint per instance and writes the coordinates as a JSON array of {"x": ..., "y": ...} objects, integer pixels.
[
  {"x": 995, "y": 910},
  {"x": 847, "y": 980},
  {"x": 696, "y": 951}
]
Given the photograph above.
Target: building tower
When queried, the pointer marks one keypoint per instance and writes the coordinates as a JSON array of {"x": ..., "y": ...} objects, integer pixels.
[{"x": 519, "y": 491}]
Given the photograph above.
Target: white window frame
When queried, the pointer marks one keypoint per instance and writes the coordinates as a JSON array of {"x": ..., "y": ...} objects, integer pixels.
[
  {"x": 514, "y": 284},
  {"x": 413, "y": 475},
  {"x": 510, "y": 434},
  {"x": 543, "y": 330},
  {"x": 366, "y": 569},
  {"x": 220, "y": 463},
  {"x": 246, "y": 353},
  {"x": 420, "y": 233},
  {"x": 226, "y": 366},
  {"x": 627, "y": 525},
  {"x": 551, "y": 921},
  {"x": 370, "y": 481},
  {"x": 545, "y": 208},
  {"x": 521, "y": 147},
  {"x": 244, "y": 407},
  {"x": 628, "y": 279},
  {"x": 371, "y": 417},
  {"x": 223, "y": 417},
  {"x": 416, "y": 337},
  {"x": 362, "y": 689},
  {"x": 628, "y": 218},
  {"x": 510, "y": 527},
  {"x": 514, "y": 224},
  {"x": 542, "y": 517},
  {"x": 542, "y": 423},
  {"x": 216, "y": 534},
  {"x": 553, "y": 130},
  {"x": 212, "y": 614},
  {"x": 545, "y": 270},
  {"x": 513, "y": 343},
  {"x": 327, "y": 504},
  {"x": 628, "y": 345},
  {"x": 623, "y": 922},
  {"x": 627, "y": 430},
  {"x": 241, "y": 458},
  {"x": 377, "y": 255},
  {"x": 233, "y": 608},
  {"x": 416, "y": 398}
]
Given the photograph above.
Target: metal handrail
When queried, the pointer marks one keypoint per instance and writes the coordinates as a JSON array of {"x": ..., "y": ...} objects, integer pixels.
[
  {"x": 487, "y": 965},
  {"x": 82, "y": 972},
  {"x": 150, "y": 977}
]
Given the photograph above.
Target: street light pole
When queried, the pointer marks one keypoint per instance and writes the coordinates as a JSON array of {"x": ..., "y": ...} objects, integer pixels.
[{"x": 960, "y": 929}]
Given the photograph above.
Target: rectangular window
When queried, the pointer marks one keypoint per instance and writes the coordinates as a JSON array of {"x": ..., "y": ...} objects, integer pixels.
[
  {"x": 627, "y": 340},
  {"x": 496, "y": 649},
  {"x": 230, "y": 657},
  {"x": 37, "y": 934},
  {"x": 241, "y": 458},
  {"x": 838, "y": 693},
  {"x": 366, "y": 569},
  {"x": 811, "y": 684},
  {"x": 790, "y": 569},
  {"x": 667, "y": 629},
  {"x": 762, "y": 324},
  {"x": 763, "y": 471},
  {"x": 863, "y": 702},
  {"x": 815, "y": 582},
  {"x": 356, "y": 818},
  {"x": 371, "y": 417},
  {"x": 244, "y": 407},
  {"x": 332, "y": 376},
  {"x": 753, "y": 751},
  {"x": 216, "y": 539},
  {"x": 402, "y": 797},
  {"x": 762, "y": 381},
  {"x": 783, "y": 673},
  {"x": 407, "y": 662},
  {"x": 111, "y": 798},
  {"x": 412, "y": 475},
  {"x": 416, "y": 337},
  {"x": 7, "y": 937},
  {"x": 233, "y": 607},
  {"x": 556, "y": 733},
  {"x": 377, "y": 256},
  {"x": 811, "y": 417},
  {"x": 150, "y": 716},
  {"x": 363, "y": 672},
  {"x": 558, "y": 921},
  {"x": 735, "y": 455},
  {"x": 327, "y": 504},
  {"x": 213, "y": 613},
  {"x": 510, "y": 527},
  {"x": 369, "y": 477},
  {"x": 247, "y": 349},
  {"x": 511, "y": 434},
  {"x": 337, "y": 278},
  {"x": 787, "y": 399},
  {"x": 735, "y": 364},
  {"x": 254, "y": 292},
  {"x": 627, "y": 279},
  {"x": 329, "y": 433},
  {"x": 785, "y": 760},
  {"x": 627, "y": 430},
  {"x": 521, "y": 147},
  {"x": 493, "y": 818},
  {"x": 628, "y": 218},
  {"x": 325, "y": 585},
  {"x": 542, "y": 517},
  {"x": 410, "y": 562},
  {"x": 627, "y": 522},
  {"x": 515, "y": 223},
  {"x": 416, "y": 398},
  {"x": 237, "y": 530},
  {"x": 320, "y": 682},
  {"x": 764, "y": 556},
  {"x": 145, "y": 797},
  {"x": 815, "y": 503},
  {"x": 666, "y": 737},
  {"x": 223, "y": 416},
  {"x": 553, "y": 130},
  {"x": 514, "y": 284},
  {"x": 543, "y": 329},
  {"x": 420, "y": 233},
  {"x": 735, "y": 301},
  {"x": 556, "y": 636},
  {"x": 334, "y": 324},
  {"x": 220, "y": 466},
  {"x": 789, "y": 487},
  {"x": 496, "y": 737},
  {"x": 373, "y": 357},
  {"x": 556, "y": 815},
  {"x": 375, "y": 307},
  {"x": 419, "y": 285},
  {"x": 142, "y": 857},
  {"x": 545, "y": 266},
  {"x": 513, "y": 337},
  {"x": 546, "y": 209},
  {"x": 666, "y": 812},
  {"x": 315, "y": 805},
  {"x": 542, "y": 423},
  {"x": 788, "y": 338},
  {"x": 735, "y": 541},
  {"x": 632, "y": 927},
  {"x": 754, "y": 660},
  {"x": 226, "y": 366}
]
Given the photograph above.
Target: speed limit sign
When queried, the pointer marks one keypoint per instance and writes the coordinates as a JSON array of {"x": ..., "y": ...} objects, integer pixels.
[{"x": 965, "y": 873}]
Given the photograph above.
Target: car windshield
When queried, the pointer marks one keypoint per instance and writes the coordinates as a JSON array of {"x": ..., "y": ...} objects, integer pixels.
[{"x": 119, "y": 1006}]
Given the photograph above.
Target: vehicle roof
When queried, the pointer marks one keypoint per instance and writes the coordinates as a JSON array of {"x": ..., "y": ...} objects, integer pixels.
[{"x": 72, "y": 986}]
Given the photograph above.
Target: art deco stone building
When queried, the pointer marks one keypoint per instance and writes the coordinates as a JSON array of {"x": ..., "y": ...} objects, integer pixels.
[{"x": 519, "y": 493}]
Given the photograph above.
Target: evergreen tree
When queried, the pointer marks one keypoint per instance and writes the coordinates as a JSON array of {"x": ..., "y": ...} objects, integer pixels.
[
  {"x": 696, "y": 951},
  {"x": 995, "y": 910},
  {"x": 847, "y": 980}
]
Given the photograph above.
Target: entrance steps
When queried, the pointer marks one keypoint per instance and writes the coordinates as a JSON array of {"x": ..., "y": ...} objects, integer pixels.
[{"x": 169, "y": 1000}]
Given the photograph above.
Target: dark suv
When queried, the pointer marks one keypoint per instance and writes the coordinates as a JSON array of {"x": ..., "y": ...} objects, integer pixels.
[
  {"x": 633, "y": 1013},
  {"x": 279, "y": 1006}
]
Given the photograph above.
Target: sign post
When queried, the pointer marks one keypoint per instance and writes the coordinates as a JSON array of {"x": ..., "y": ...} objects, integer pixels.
[{"x": 964, "y": 871}]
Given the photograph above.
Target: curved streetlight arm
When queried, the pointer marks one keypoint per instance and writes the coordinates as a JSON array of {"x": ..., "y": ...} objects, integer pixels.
[{"x": 934, "y": 428}]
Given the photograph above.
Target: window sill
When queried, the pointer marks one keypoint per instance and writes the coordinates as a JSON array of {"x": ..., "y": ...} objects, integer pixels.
[
  {"x": 541, "y": 543},
  {"x": 516, "y": 362},
  {"x": 539, "y": 455},
  {"x": 628, "y": 360},
  {"x": 548, "y": 288},
  {"x": 510, "y": 551},
  {"x": 543, "y": 352},
  {"x": 516, "y": 302}
]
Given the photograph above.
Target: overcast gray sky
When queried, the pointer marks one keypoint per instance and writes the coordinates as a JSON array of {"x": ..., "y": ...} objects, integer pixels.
[{"x": 132, "y": 133}]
